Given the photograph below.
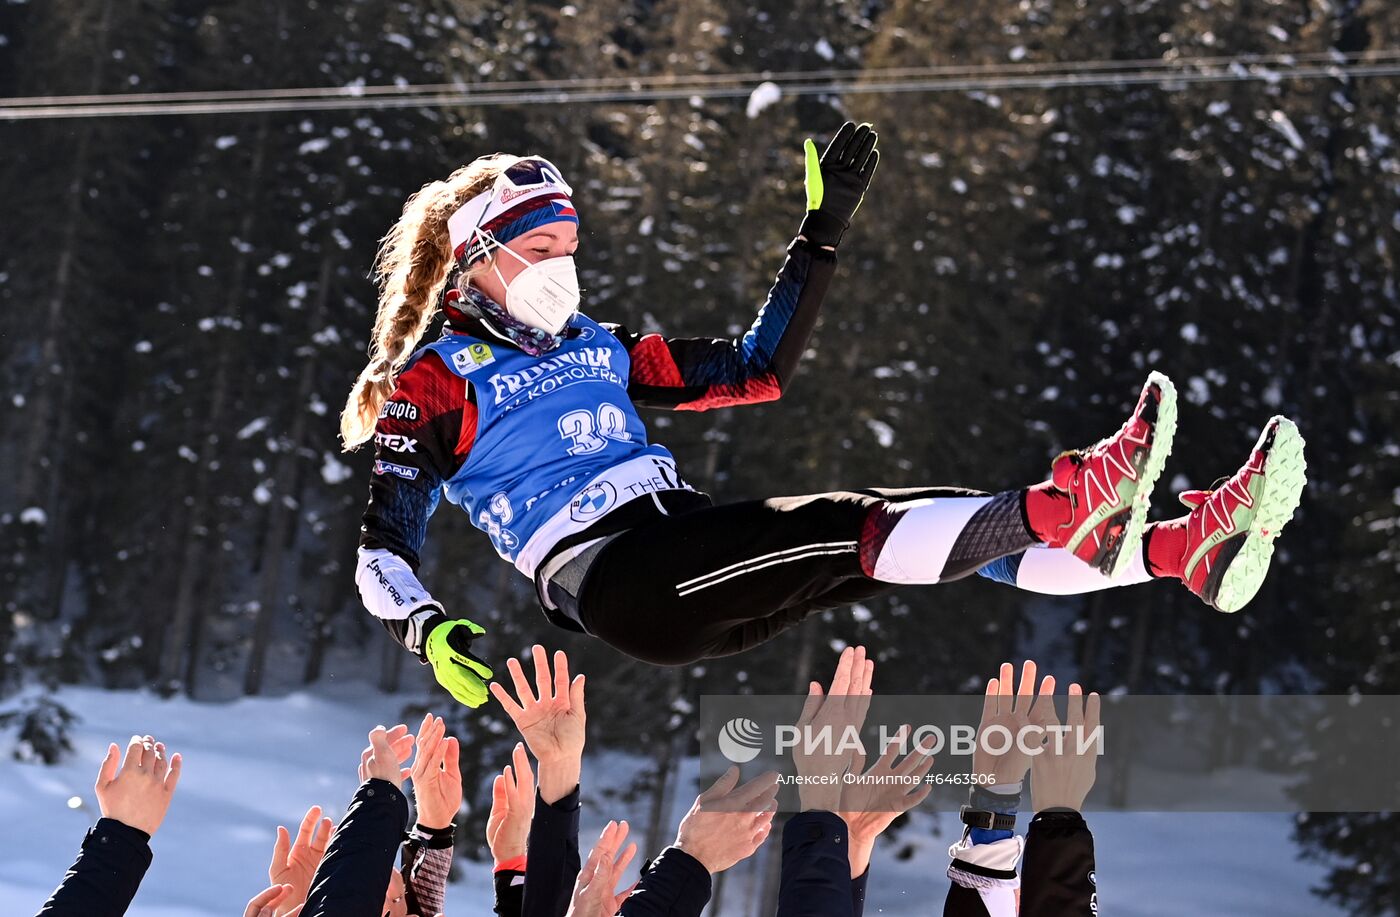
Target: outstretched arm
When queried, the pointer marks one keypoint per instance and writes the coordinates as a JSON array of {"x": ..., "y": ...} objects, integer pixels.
[
  {"x": 697, "y": 374},
  {"x": 422, "y": 437},
  {"x": 116, "y": 851},
  {"x": 424, "y": 433},
  {"x": 352, "y": 877}
]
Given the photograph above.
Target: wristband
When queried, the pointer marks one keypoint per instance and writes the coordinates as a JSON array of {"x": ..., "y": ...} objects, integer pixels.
[
  {"x": 514, "y": 864},
  {"x": 432, "y": 838},
  {"x": 987, "y": 821}
]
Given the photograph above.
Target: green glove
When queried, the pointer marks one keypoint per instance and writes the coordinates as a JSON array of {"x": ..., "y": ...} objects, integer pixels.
[
  {"x": 836, "y": 182},
  {"x": 449, "y": 650}
]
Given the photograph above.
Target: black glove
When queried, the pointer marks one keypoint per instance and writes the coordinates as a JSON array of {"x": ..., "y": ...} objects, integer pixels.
[{"x": 836, "y": 183}]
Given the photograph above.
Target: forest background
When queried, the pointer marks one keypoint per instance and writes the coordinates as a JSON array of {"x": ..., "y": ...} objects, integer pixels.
[{"x": 186, "y": 300}]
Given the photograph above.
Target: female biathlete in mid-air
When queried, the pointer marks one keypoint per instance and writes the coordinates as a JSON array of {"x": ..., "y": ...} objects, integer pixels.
[{"x": 524, "y": 413}]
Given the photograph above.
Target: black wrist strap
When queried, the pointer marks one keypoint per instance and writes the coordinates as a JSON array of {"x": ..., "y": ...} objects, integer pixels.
[
  {"x": 988, "y": 821},
  {"x": 821, "y": 228},
  {"x": 432, "y": 838}
]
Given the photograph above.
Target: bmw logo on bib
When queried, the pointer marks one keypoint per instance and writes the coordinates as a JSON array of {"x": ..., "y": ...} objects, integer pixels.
[{"x": 593, "y": 501}]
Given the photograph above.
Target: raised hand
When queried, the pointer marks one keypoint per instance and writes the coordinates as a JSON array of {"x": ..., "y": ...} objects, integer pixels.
[
  {"x": 595, "y": 892},
  {"x": 1062, "y": 775},
  {"x": 436, "y": 775},
  {"x": 294, "y": 862},
  {"x": 837, "y": 181},
  {"x": 1019, "y": 714},
  {"x": 388, "y": 750},
  {"x": 727, "y": 823},
  {"x": 868, "y": 807},
  {"x": 551, "y": 719},
  {"x": 512, "y": 807},
  {"x": 843, "y": 707},
  {"x": 140, "y": 795}
]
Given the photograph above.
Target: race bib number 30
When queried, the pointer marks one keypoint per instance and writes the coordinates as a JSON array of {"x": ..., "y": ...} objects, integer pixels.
[{"x": 589, "y": 431}]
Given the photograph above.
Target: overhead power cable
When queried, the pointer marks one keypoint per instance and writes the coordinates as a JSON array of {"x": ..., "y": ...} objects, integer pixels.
[{"x": 1169, "y": 73}]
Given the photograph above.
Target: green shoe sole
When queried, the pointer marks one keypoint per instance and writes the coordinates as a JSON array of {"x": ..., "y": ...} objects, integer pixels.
[
  {"x": 1285, "y": 476},
  {"x": 1163, "y": 432}
]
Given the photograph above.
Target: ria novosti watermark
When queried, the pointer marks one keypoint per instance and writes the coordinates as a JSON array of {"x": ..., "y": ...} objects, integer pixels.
[
  {"x": 741, "y": 740},
  {"x": 1153, "y": 753}
]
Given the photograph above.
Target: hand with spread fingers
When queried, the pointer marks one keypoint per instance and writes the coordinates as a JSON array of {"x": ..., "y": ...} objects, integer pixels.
[
  {"x": 888, "y": 790},
  {"x": 595, "y": 893},
  {"x": 834, "y": 713},
  {"x": 512, "y": 807},
  {"x": 1063, "y": 773},
  {"x": 551, "y": 719},
  {"x": 138, "y": 796},
  {"x": 836, "y": 182},
  {"x": 294, "y": 862},
  {"x": 1020, "y": 714},
  {"x": 436, "y": 774},
  {"x": 729, "y": 821}
]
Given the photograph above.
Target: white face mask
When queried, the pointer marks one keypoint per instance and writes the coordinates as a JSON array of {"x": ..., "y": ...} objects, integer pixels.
[{"x": 545, "y": 295}]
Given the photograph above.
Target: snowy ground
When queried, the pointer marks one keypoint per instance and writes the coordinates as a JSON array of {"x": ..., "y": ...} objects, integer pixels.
[{"x": 255, "y": 763}]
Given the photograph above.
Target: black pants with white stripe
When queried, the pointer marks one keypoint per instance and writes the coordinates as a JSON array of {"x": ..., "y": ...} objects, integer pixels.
[{"x": 720, "y": 580}]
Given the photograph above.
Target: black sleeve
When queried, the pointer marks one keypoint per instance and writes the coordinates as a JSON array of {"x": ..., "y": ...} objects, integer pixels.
[
  {"x": 510, "y": 892},
  {"x": 354, "y": 873},
  {"x": 103, "y": 880},
  {"x": 968, "y": 902},
  {"x": 674, "y": 884},
  {"x": 697, "y": 374},
  {"x": 1057, "y": 871},
  {"x": 422, "y": 437},
  {"x": 816, "y": 872},
  {"x": 553, "y": 861},
  {"x": 858, "y": 893}
]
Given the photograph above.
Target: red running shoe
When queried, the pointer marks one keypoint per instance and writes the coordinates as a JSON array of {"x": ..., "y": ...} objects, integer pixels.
[
  {"x": 1231, "y": 530},
  {"x": 1109, "y": 484}
]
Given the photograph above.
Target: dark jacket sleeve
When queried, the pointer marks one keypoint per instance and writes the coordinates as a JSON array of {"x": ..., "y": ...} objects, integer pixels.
[
  {"x": 970, "y": 902},
  {"x": 553, "y": 863},
  {"x": 423, "y": 435},
  {"x": 103, "y": 880},
  {"x": 698, "y": 374},
  {"x": 510, "y": 892},
  {"x": 816, "y": 872},
  {"x": 674, "y": 884},
  {"x": 1057, "y": 872},
  {"x": 354, "y": 873},
  {"x": 858, "y": 893}
]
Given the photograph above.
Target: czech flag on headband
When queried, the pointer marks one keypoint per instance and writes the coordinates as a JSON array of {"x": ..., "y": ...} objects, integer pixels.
[{"x": 564, "y": 209}]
